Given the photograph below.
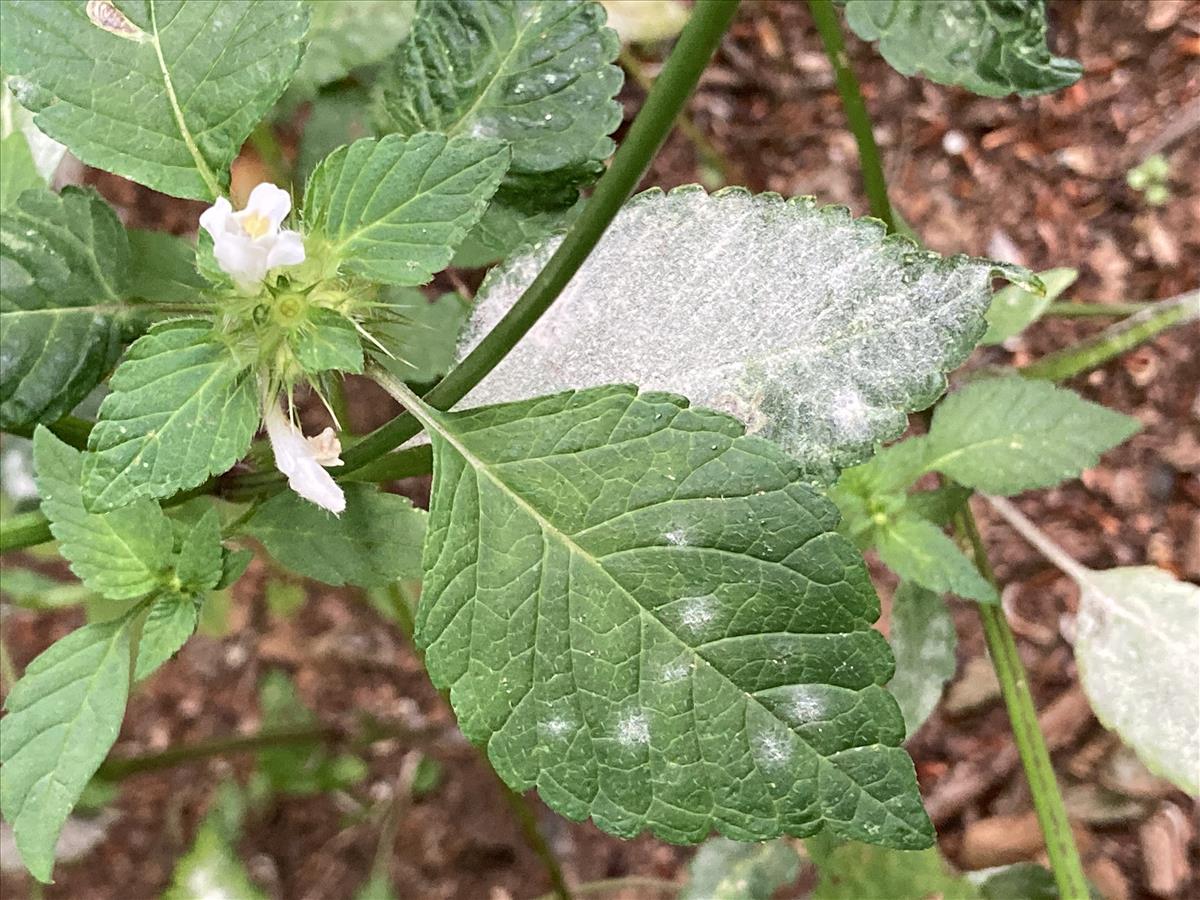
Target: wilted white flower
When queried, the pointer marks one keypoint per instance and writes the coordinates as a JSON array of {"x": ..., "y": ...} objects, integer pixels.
[
  {"x": 303, "y": 459},
  {"x": 250, "y": 242}
]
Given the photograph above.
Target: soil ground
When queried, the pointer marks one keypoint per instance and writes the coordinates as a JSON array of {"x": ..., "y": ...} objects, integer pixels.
[{"x": 1037, "y": 181}]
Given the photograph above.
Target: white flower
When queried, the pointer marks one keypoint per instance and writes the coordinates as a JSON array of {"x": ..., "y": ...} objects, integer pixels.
[
  {"x": 303, "y": 459},
  {"x": 249, "y": 243}
]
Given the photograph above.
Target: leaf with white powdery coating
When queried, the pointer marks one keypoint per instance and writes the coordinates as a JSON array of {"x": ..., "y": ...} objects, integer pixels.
[
  {"x": 923, "y": 640},
  {"x": 182, "y": 408},
  {"x": 163, "y": 92},
  {"x": 393, "y": 210},
  {"x": 646, "y": 615},
  {"x": 63, "y": 265},
  {"x": 121, "y": 554},
  {"x": 811, "y": 327},
  {"x": 1008, "y": 435},
  {"x": 63, "y": 716}
]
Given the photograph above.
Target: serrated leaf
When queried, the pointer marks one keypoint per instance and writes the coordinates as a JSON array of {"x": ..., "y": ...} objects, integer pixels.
[
  {"x": 345, "y": 35},
  {"x": 1014, "y": 309},
  {"x": 163, "y": 92},
  {"x": 393, "y": 210},
  {"x": 729, "y": 870},
  {"x": 374, "y": 542},
  {"x": 806, "y": 324},
  {"x": 233, "y": 566},
  {"x": 63, "y": 260},
  {"x": 646, "y": 21},
  {"x": 856, "y": 871},
  {"x": 990, "y": 47},
  {"x": 170, "y": 622},
  {"x": 533, "y": 74},
  {"x": 19, "y": 173},
  {"x": 919, "y": 551},
  {"x": 1007, "y": 435},
  {"x": 923, "y": 640},
  {"x": 164, "y": 268},
  {"x": 327, "y": 341},
  {"x": 421, "y": 335},
  {"x": 200, "y": 563},
  {"x": 182, "y": 408},
  {"x": 63, "y": 716},
  {"x": 120, "y": 554},
  {"x": 646, "y": 615}
]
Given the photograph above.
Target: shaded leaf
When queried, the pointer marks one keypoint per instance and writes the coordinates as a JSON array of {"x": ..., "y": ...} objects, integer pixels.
[
  {"x": 505, "y": 227},
  {"x": 422, "y": 335},
  {"x": 14, "y": 118},
  {"x": 728, "y": 870},
  {"x": 345, "y": 35},
  {"x": 19, "y": 173},
  {"x": 923, "y": 640},
  {"x": 164, "y": 268},
  {"x": 211, "y": 868},
  {"x": 855, "y": 871}
]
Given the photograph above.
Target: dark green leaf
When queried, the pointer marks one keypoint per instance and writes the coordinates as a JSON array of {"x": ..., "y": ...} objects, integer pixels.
[
  {"x": 335, "y": 118},
  {"x": 939, "y": 505},
  {"x": 504, "y": 228},
  {"x": 233, "y": 565},
  {"x": 857, "y": 871},
  {"x": 347, "y": 34}
]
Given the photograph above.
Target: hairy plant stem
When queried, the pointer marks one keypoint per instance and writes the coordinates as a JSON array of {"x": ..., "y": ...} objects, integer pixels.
[
  {"x": 1031, "y": 745},
  {"x": 874, "y": 181}
]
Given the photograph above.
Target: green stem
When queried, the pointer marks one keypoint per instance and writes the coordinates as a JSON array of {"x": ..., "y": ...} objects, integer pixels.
[
  {"x": 1087, "y": 310},
  {"x": 1031, "y": 745},
  {"x": 69, "y": 429},
  {"x": 874, "y": 182},
  {"x": 24, "y": 530},
  {"x": 1116, "y": 339}
]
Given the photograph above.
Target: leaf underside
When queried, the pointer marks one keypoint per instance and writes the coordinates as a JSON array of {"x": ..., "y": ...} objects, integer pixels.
[
  {"x": 808, "y": 325},
  {"x": 647, "y": 615}
]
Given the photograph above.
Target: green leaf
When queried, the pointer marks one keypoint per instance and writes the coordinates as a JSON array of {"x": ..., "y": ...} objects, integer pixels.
[
  {"x": 1019, "y": 881},
  {"x": 533, "y": 74},
  {"x": 327, "y": 341},
  {"x": 345, "y": 35},
  {"x": 421, "y": 334},
  {"x": 990, "y": 47},
  {"x": 919, "y": 551},
  {"x": 504, "y": 227},
  {"x": 939, "y": 505},
  {"x": 374, "y": 542},
  {"x": 335, "y": 118},
  {"x": 30, "y": 589},
  {"x": 19, "y": 173},
  {"x": 14, "y": 118},
  {"x": 200, "y": 563},
  {"x": 377, "y": 887},
  {"x": 728, "y": 870},
  {"x": 648, "y": 616},
  {"x": 164, "y": 268},
  {"x": 63, "y": 263},
  {"x": 182, "y": 408},
  {"x": 233, "y": 565},
  {"x": 923, "y": 639},
  {"x": 63, "y": 716},
  {"x": 120, "y": 554},
  {"x": 1007, "y": 435},
  {"x": 393, "y": 210},
  {"x": 211, "y": 868},
  {"x": 1014, "y": 309},
  {"x": 170, "y": 622},
  {"x": 809, "y": 326},
  {"x": 163, "y": 92},
  {"x": 856, "y": 871}
]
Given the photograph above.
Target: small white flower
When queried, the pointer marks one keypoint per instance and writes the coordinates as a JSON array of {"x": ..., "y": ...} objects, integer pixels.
[
  {"x": 303, "y": 459},
  {"x": 249, "y": 243}
]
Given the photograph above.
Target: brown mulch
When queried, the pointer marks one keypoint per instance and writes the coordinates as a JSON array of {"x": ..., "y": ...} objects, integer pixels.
[{"x": 1039, "y": 181}]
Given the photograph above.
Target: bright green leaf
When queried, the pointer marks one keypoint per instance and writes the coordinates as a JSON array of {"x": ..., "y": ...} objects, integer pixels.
[
  {"x": 533, "y": 74},
  {"x": 327, "y": 341},
  {"x": 63, "y": 263},
  {"x": 648, "y": 616},
  {"x": 729, "y": 870},
  {"x": 19, "y": 173},
  {"x": 990, "y": 47},
  {"x": 200, "y": 564},
  {"x": 170, "y": 622},
  {"x": 182, "y": 408},
  {"x": 421, "y": 334},
  {"x": 63, "y": 716},
  {"x": 812, "y": 327},
  {"x": 374, "y": 542},
  {"x": 923, "y": 639},
  {"x": 163, "y": 92},
  {"x": 917, "y": 550},
  {"x": 1007, "y": 435},
  {"x": 120, "y": 554},
  {"x": 164, "y": 268},
  {"x": 1014, "y": 309},
  {"x": 347, "y": 34},
  {"x": 394, "y": 209}
]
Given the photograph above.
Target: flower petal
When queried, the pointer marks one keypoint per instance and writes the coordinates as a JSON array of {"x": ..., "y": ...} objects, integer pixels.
[
  {"x": 326, "y": 448},
  {"x": 241, "y": 260},
  {"x": 271, "y": 202},
  {"x": 286, "y": 250},
  {"x": 294, "y": 457},
  {"x": 215, "y": 218}
]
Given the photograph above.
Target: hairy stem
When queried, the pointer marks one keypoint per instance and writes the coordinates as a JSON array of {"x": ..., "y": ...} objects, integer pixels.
[
  {"x": 874, "y": 181},
  {"x": 1031, "y": 745}
]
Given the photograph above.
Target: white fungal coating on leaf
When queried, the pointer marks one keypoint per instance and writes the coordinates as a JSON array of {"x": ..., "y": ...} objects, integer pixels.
[{"x": 808, "y": 325}]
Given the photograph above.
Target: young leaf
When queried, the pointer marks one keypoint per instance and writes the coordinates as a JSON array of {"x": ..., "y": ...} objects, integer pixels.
[
  {"x": 728, "y": 870},
  {"x": 164, "y": 93},
  {"x": 200, "y": 563},
  {"x": 1014, "y": 309},
  {"x": 990, "y": 47},
  {"x": 919, "y": 551},
  {"x": 327, "y": 341},
  {"x": 64, "y": 259},
  {"x": 170, "y": 622},
  {"x": 394, "y": 209},
  {"x": 182, "y": 408},
  {"x": 810, "y": 326},
  {"x": 648, "y": 616},
  {"x": 535, "y": 75},
  {"x": 374, "y": 542},
  {"x": 346, "y": 35},
  {"x": 423, "y": 337},
  {"x": 1007, "y": 435},
  {"x": 923, "y": 639},
  {"x": 164, "y": 268},
  {"x": 63, "y": 716},
  {"x": 120, "y": 554}
]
